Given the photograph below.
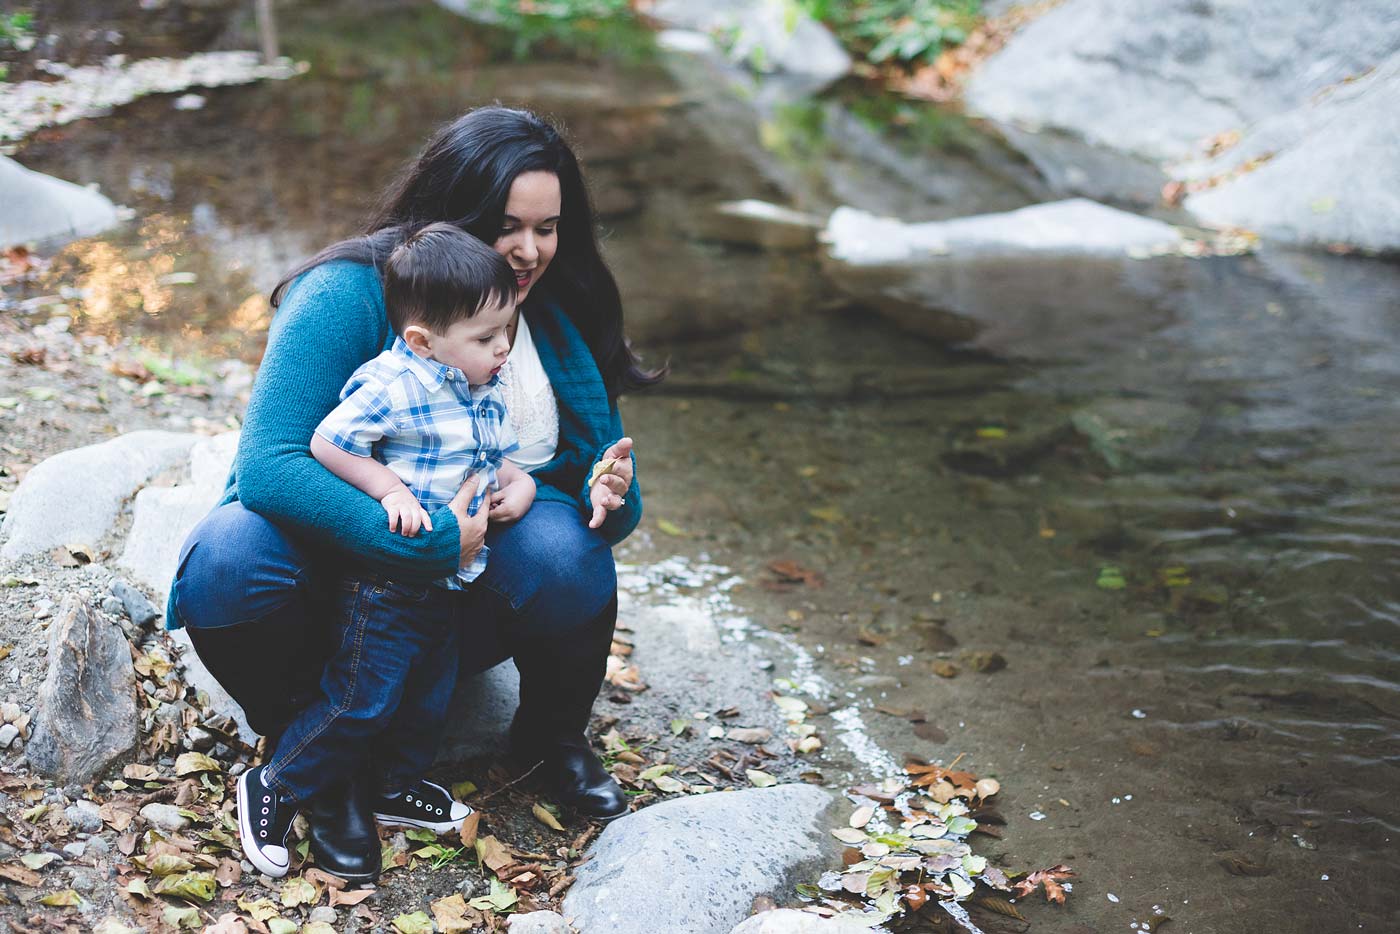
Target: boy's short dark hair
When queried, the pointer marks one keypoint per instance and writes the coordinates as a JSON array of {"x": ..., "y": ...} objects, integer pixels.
[{"x": 441, "y": 275}]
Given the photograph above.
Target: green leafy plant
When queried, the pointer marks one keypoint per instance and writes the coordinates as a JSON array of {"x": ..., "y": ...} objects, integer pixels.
[
  {"x": 906, "y": 31},
  {"x": 589, "y": 25}
]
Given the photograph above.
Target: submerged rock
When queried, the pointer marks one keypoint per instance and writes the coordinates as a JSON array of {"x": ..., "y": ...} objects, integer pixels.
[
  {"x": 85, "y": 718},
  {"x": 1075, "y": 227},
  {"x": 694, "y": 865},
  {"x": 1129, "y": 433},
  {"x": 43, "y": 209}
]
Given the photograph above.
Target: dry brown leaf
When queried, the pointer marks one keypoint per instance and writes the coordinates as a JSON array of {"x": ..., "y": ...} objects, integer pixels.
[
  {"x": 1050, "y": 878},
  {"x": 21, "y": 874},
  {"x": 321, "y": 877},
  {"x": 999, "y": 905},
  {"x": 492, "y": 854},
  {"x": 468, "y": 830},
  {"x": 229, "y": 873},
  {"x": 341, "y": 897}
]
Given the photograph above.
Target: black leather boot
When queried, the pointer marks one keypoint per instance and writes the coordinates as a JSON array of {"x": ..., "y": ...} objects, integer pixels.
[
  {"x": 559, "y": 680},
  {"x": 343, "y": 835}
]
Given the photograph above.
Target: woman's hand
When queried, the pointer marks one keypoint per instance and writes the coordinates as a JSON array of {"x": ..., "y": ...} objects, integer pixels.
[
  {"x": 472, "y": 529},
  {"x": 608, "y": 491}
]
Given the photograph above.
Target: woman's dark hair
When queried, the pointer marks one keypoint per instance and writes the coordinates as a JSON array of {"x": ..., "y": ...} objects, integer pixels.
[
  {"x": 441, "y": 275},
  {"x": 463, "y": 177}
]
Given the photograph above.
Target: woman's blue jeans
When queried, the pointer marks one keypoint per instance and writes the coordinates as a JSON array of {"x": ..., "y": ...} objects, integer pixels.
[{"x": 263, "y": 610}]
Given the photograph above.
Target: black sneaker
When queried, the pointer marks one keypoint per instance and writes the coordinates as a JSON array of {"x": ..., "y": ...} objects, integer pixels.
[
  {"x": 424, "y": 804},
  {"x": 264, "y": 820}
]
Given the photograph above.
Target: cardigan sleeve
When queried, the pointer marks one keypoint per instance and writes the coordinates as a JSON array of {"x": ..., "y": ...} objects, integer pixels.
[{"x": 331, "y": 321}]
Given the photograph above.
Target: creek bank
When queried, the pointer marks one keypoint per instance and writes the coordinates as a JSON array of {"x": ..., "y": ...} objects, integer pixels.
[{"x": 39, "y": 208}]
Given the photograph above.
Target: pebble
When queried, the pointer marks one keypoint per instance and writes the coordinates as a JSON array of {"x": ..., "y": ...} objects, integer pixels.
[
  {"x": 10, "y": 711},
  {"x": 324, "y": 914},
  {"x": 96, "y": 846},
  {"x": 237, "y": 769},
  {"x": 113, "y": 607},
  {"x": 165, "y": 816},
  {"x": 84, "y": 816},
  {"x": 8, "y": 734},
  {"x": 200, "y": 738},
  {"x": 75, "y": 850}
]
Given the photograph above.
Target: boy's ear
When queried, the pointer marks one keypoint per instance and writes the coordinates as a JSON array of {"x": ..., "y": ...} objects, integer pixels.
[{"x": 418, "y": 339}]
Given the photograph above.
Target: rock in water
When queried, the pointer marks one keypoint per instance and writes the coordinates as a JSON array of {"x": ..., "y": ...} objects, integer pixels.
[
  {"x": 41, "y": 208},
  {"x": 695, "y": 865},
  {"x": 85, "y": 718}
]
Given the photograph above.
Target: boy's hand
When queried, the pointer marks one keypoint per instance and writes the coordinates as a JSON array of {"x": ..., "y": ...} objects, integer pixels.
[
  {"x": 607, "y": 491},
  {"x": 406, "y": 516},
  {"x": 513, "y": 500}
]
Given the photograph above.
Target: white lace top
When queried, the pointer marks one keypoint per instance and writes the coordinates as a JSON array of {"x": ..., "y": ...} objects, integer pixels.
[{"x": 530, "y": 404}]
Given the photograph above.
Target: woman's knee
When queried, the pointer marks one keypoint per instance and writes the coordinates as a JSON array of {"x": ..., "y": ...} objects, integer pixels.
[
  {"x": 554, "y": 568},
  {"x": 236, "y": 566}
]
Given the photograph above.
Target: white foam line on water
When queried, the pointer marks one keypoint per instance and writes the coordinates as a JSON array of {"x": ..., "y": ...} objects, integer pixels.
[{"x": 670, "y": 576}]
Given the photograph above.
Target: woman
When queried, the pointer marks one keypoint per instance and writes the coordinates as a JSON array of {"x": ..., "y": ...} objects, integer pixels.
[{"x": 252, "y": 575}]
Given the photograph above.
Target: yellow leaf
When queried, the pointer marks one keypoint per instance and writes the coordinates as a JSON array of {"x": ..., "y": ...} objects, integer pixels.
[
  {"x": 416, "y": 923},
  {"x": 600, "y": 469},
  {"x": 760, "y": 779},
  {"x": 827, "y": 513},
  {"x": 450, "y": 913},
  {"x": 544, "y": 817},
  {"x": 670, "y": 528},
  {"x": 65, "y": 899},
  {"x": 190, "y": 763}
]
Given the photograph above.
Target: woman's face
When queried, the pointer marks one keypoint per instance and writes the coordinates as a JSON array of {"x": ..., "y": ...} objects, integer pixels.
[{"x": 529, "y": 233}]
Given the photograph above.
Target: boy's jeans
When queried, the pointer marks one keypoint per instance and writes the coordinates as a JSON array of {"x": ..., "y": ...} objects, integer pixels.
[{"x": 390, "y": 677}]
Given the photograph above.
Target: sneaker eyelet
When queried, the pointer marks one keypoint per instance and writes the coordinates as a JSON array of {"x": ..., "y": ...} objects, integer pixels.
[{"x": 264, "y": 822}]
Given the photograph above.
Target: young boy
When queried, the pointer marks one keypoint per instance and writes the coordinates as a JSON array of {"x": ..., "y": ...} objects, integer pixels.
[{"x": 412, "y": 424}]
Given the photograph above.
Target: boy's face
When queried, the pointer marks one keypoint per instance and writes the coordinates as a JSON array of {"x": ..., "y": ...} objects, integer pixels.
[{"x": 477, "y": 346}]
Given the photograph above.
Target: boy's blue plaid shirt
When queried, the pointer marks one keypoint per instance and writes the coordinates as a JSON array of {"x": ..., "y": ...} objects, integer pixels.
[{"x": 421, "y": 420}]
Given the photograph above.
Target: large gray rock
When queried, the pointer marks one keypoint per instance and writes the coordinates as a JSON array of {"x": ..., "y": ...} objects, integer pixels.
[
  {"x": 1155, "y": 77},
  {"x": 43, "y": 209},
  {"x": 481, "y": 712},
  {"x": 75, "y": 497},
  {"x": 694, "y": 865},
  {"x": 85, "y": 719},
  {"x": 162, "y": 517},
  {"x": 1334, "y": 175},
  {"x": 1076, "y": 227},
  {"x": 538, "y": 922}
]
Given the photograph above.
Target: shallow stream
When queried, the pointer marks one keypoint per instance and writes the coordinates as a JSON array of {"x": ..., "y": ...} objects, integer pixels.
[{"x": 1166, "y": 493}]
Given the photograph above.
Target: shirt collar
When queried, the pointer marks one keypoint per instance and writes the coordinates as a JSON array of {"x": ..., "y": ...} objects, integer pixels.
[{"x": 431, "y": 373}]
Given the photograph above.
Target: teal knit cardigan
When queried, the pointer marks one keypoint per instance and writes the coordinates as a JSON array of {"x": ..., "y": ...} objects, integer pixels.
[{"x": 331, "y": 321}]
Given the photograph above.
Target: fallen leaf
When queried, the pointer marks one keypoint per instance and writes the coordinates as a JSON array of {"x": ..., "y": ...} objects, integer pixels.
[
  {"x": 168, "y": 864},
  {"x": 862, "y": 815},
  {"x": 340, "y": 897},
  {"x": 501, "y": 898},
  {"x": 468, "y": 829},
  {"x": 670, "y": 528},
  {"x": 192, "y": 763},
  {"x": 760, "y": 779},
  {"x": 945, "y": 669},
  {"x": 320, "y": 877},
  {"x": 751, "y": 735},
  {"x": 188, "y": 918},
  {"x": 987, "y": 787},
  {"x": 229, "y": 872},
  {"x": 197, "y": 885},
  {"x": 317, "y": 927},
  {"x": 299, "y": 891},
  {"x": 669, "y": 785},
  {"x": 38, "y": 860},
  {"x": 64, "y": 899},
  {"x": 543, "y": 815},
  {"x": 453, "y": 916},
  {"x": 1050, "y": 878},
  {"x": 1237, "y": 865},
  {"x": 20, "y": 874},
  {"x": 281, "y": 925},
  {"x": 140, "y": 773},
  {"x": 461, "y": 790},
  {"x": 986, "y": 662},
  {"x": 491, "y": 854},
  {"x": 999, "y": 905},
  {"x": 791, "y": 572},
  {"x": 849, "y": 835},
  {"x": 262, "y": 910},
  {"x": 228, "y": 923}
]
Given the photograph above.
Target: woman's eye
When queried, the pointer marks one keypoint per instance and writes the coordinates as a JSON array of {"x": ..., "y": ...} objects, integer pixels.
[{"x": 546, "y": 231}]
